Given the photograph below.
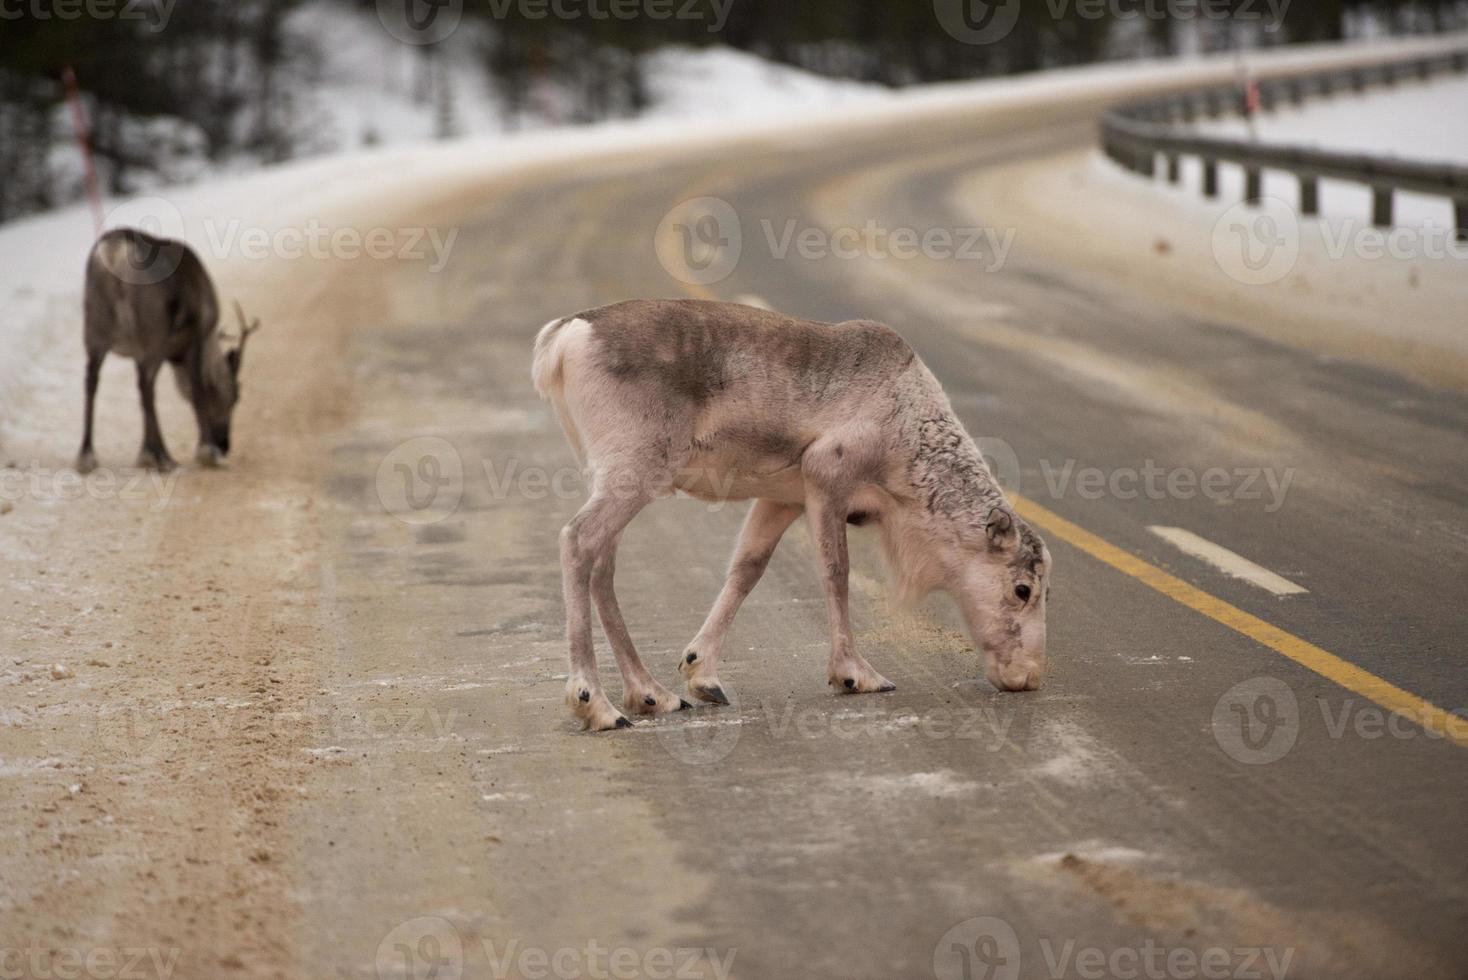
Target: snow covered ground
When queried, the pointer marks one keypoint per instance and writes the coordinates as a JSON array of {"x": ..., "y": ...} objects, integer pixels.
[
  {"x": 719, "y": 95},
  {"x": 1415, "y": 121},
  {"x": 1419, "y": 121}
]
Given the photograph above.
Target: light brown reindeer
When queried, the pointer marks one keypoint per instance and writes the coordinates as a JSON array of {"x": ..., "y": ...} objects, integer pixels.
[{"x": 842, "y": 422}]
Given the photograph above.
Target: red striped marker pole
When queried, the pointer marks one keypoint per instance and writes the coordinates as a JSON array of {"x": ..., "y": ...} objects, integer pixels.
[{"x": 83, "y": 138}]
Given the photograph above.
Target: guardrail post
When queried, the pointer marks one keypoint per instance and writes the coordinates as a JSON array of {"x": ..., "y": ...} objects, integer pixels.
[
  {"x": 1297, "y": 92},
  {"x": 1327, "y": 85},
  {"x": 1146, "y": 163},
  {"x": 1460, "y": 211},
  {"x": 1309, "y": 195},
  {"x": 1174, "y": 168},
  {"x": 1424, "y": 69},
  {"x": 1358, "y": 80},
  {"x": 1253, "y": 185},
  {"x": 1381, "y": 207},
  {"x": 1210, "y": 177}
]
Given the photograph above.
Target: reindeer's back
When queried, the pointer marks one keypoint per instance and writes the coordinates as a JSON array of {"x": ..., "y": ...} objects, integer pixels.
[
  {"x": 731, "y": 393},
  {"x": 146, "y": 296},
  {"x": 700, "y": 352}
]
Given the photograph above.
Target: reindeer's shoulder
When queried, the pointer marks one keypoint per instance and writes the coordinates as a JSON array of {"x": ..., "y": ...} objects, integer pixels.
[{"x": 875, "y": 345}]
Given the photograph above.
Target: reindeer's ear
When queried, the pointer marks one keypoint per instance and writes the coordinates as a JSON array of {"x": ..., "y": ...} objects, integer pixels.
[{"x": 999, "y": 527}]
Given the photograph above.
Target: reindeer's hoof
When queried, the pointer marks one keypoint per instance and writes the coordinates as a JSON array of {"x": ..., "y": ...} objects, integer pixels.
[
  {"x": 210, "y": 457},
  {"x": 161, "y": 464},
  {"x": 709, "y": 693},
  {"x": 861, "y": 681},
  {"x": 593, "y": 710},
  {"x": 86, "y": 463},
  {"x": 655, "y": 700}
]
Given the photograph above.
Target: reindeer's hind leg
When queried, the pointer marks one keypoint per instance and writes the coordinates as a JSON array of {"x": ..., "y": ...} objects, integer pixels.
[
  {"x": 86, "y": 458},
  {"x": 589, "y": 538},
  {"x": 154, "y": 454},
  {"x": 766, "y": 524},
  {"x": 643, "y": 695}
]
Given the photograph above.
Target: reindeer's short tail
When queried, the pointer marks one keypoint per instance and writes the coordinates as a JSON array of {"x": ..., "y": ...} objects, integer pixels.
[{"x": 547, "y": 371}]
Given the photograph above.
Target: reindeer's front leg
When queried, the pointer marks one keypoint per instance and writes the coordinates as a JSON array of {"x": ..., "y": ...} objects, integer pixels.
[
  {"x": 763, "y": 528},
  {"x": 154, "y": 454},
  {"x": 86, "y": 458},
  {"x": 832, "y": 473}
]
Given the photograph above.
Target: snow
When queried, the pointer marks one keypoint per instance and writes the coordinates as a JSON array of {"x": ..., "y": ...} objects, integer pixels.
[
  {"x": 371, "y": 89},
  {"x": 705, "y": 98},
  {"x": 1416, "y": 120},
  {"x": 728, "y": 84}
]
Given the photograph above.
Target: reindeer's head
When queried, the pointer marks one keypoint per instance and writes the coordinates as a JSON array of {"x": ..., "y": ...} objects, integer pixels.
[
  {"x": 217, "y": 390},
  {"x": 1002, "y": 589}
]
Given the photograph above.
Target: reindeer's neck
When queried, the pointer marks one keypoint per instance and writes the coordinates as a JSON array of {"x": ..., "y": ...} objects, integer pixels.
[
  {"x": 197, "y": 370},
  {"x": 948, "y": 474}
]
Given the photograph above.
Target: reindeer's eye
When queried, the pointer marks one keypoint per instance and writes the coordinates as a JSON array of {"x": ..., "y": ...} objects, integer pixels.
[{"x": 1023, "y": 592}]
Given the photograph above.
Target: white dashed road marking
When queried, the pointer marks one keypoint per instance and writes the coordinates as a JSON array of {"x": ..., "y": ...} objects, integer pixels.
[{"x": 1226, "y": 561}]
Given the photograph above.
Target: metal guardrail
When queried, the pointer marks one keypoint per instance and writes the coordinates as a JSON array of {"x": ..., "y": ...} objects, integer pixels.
[{"x": 1137, "y": 134}]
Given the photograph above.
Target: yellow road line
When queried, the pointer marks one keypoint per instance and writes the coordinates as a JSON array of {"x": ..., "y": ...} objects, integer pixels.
[{"x": 1411, "y": 707}]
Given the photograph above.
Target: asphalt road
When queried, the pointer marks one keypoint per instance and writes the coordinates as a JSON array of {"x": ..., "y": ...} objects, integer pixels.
[
  {"x": 380, "y": 779},
  {"x": 1144, "y": 804}
]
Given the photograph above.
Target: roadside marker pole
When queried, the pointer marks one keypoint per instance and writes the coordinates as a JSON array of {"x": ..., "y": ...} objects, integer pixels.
[{"x": 83, "y": 138}]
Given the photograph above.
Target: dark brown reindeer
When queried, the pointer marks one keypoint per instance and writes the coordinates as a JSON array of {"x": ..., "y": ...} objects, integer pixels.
[{"x": 150, "y": 299}]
